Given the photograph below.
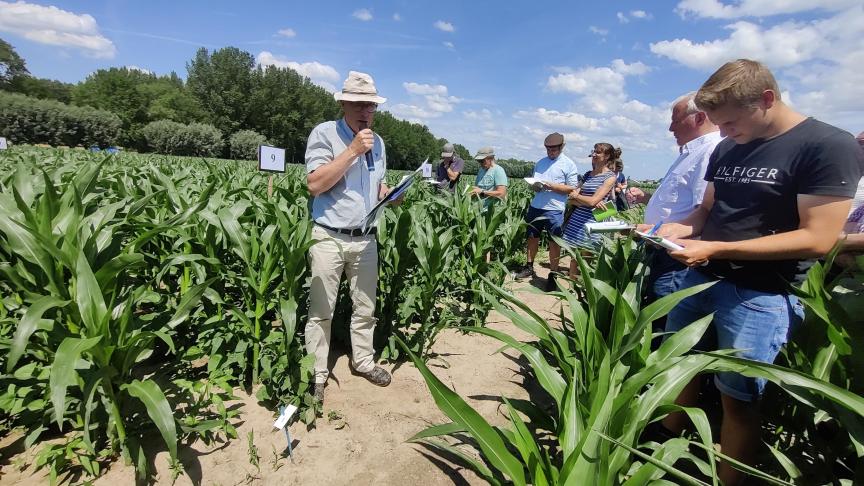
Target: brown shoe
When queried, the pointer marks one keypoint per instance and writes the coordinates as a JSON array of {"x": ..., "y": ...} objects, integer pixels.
[
  {"x": 318, "y": 394},
  {"x": 377, "y": 375}
]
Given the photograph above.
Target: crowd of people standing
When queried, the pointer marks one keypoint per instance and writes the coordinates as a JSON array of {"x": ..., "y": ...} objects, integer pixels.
[{"x": 757, "y": 192}]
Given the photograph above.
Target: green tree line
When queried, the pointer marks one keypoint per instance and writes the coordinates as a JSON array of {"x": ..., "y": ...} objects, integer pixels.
[{"x": 226, "y": 90}]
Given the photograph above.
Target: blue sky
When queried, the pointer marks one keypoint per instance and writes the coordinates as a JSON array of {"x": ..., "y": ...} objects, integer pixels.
[{"x": 503, "y": 74}]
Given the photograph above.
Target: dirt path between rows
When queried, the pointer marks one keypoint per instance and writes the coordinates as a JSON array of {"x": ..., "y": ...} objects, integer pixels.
[{"x": 368, "y": 445}]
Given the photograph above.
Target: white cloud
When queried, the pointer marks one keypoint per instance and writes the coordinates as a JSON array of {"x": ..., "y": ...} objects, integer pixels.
[
  {"x": 634, "y": 14},
  {"x": 444, "y": 26},
  {"x": 483, "y": 114},
  {"x": 553, "y": 118},
  {"x": 53, "y": 26},
  {"x": 362, "y": 14},
  {"x": 757, "y": 8},
  {"x": 635, "y": 69},
  {"x": 586, "y": 80},
  {"x": 320, "y": 74},
  {"x": 601, "y": 110},
  {"x": 397, "y": 17},
  {"x": 425, "y": 89},
  {"x": 782, "y": 45},
  {"x": 832, "y": 90},
  {"x": 443, "y": 104},
  {"x": 602, "y": 88},
  {"x": 287, "y": 33},
  {"x": 637, "y": 107},
  {"x": 133, "y": 67},
  {"x": 818, "y": 61},
  {"x": 414, "y": 113},
  {"x": 427, "y": 101},
  {"x": 597, "y": 30},
  {"x": 449, "y": 45}
]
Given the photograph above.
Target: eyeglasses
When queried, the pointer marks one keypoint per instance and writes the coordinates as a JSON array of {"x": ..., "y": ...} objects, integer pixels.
[
  {"x": 554, "y": 147},
  {"x": 362, "y": 106}
]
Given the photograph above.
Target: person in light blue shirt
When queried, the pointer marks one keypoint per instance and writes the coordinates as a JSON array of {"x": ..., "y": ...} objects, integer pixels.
[
  {"x": 349, "y": 200},
  {"x": 491, "y": 182},
  {"x": 556, "y": 176},
  {"x": 345, "y": 165}
]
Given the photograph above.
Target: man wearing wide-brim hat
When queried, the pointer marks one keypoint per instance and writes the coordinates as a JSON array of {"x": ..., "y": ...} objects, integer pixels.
[{"x": 345, "y": 165}]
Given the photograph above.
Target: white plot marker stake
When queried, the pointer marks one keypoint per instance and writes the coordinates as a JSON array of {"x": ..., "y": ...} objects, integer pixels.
[{"x": 285, "y": 414}]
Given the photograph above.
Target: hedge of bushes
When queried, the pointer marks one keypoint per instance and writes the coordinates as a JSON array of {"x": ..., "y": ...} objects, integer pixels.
[
  {"x": 194, "y": 139},
  {"x": 30, "y": 120},
  {"x": 511, "y": 168},
  {"x": 244, "y": 144}
]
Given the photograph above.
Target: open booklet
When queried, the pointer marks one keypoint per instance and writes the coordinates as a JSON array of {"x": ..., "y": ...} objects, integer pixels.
[
  {"x": 608, "y": 226},
  {"x": 394, "y": 194},
  {"x": 659, "y": 241},
  {"x": 538, "y": 184}
]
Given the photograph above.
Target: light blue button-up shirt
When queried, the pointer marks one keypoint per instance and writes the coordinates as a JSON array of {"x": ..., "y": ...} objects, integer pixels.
[
  {"x": 356, "y": 193},
  {"x": 562, "y": 170}
]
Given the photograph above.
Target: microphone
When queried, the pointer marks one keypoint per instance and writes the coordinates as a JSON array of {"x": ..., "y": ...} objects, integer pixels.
[{"x": 370, "y": 164}]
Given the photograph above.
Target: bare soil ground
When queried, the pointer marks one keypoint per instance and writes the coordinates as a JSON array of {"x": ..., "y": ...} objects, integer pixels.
[{"x": 367, "y": 446}]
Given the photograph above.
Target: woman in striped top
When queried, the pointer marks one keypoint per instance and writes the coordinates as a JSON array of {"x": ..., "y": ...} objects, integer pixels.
[{"x": 595, "y": 189}]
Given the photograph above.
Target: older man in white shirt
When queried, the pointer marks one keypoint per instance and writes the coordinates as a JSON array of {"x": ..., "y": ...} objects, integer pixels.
[{"x": 682, "y": 188}]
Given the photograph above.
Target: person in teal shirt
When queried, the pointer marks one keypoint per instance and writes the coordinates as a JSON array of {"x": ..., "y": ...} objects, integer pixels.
[{"x": 491, "y": 182}]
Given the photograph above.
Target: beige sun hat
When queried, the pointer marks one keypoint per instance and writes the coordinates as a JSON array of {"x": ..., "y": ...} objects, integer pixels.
[
  {"x": 359, "y": 87},
  {"x": 484, "y": 152}
]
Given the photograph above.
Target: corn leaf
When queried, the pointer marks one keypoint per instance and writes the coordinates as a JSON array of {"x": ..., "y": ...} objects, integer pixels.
[
  {"x": 63, "y": 372},
  {"x": 158, "y": 409},
  {"x": 460, "y": 412}
]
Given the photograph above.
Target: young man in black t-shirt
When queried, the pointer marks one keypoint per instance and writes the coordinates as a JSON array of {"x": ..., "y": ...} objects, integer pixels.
[{"x": 779, "y": 189}]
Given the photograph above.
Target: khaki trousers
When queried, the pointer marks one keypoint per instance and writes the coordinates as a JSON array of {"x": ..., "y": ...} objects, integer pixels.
[{"x": 357, "y": 256}]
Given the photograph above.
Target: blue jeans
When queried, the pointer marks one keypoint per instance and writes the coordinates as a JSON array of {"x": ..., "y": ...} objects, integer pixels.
[
  {"x": 548, "y": 220},
  {"x": 756, "y": 323},
  {"x": 667, "y": 274}
]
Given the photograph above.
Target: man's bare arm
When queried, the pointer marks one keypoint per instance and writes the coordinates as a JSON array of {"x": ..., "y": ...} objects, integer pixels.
[
  {"x": 499, "y": 191},
  {"x": 325, "y": 177},
  {"x": 559, "y": 188},
  {"x": 452, "y": 174},
  {"x": 821, "y": 219}
]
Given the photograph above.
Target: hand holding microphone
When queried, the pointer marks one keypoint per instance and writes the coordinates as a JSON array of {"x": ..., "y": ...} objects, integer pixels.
[{"x": 363, "y": 143}]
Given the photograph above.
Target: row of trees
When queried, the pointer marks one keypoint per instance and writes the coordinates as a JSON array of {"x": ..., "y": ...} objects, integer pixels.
[{"x": 224, "y": 89}]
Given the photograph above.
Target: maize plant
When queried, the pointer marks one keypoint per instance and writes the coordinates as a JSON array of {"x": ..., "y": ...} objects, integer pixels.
[
  {"x": 70, "y": 266},
  {"x": 431, "y": 255},
  {"x": 605, "y": 385},
  {"x": 118, "y": 276},
  {"x": 825, "y": 348},
  {"x": 137, "y": 291}
]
